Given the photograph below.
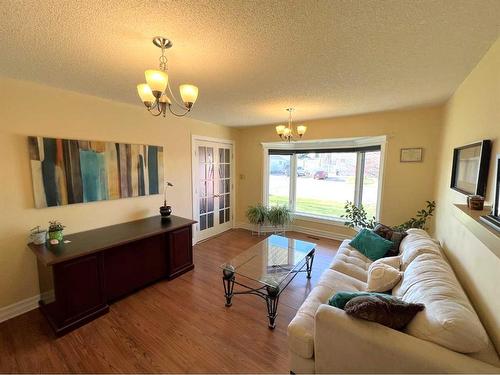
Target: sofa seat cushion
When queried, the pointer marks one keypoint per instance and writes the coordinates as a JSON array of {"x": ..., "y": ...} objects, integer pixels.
[
  {"x": 301, "y": 328},
  {"x": 448, "y": 319},
  {"x": 351, "y": 262}
]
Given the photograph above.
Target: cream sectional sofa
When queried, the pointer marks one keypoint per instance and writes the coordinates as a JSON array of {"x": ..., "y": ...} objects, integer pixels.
[{"x": 446, "y": 337}]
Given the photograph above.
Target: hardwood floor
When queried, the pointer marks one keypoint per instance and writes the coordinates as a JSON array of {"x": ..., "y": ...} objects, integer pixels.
[{"x": 177, "y": 326}]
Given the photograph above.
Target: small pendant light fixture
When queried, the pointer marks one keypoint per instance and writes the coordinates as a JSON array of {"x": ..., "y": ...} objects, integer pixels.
[
  {"x": 155, "y": 92},
  {"x": 286, "y": 133}
]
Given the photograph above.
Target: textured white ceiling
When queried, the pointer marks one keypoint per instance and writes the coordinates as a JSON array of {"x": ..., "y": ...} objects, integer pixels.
[{"x": 252, "y": 59}]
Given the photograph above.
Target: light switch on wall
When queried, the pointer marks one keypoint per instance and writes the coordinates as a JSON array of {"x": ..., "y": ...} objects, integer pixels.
[{"x": 242, "y": 176}]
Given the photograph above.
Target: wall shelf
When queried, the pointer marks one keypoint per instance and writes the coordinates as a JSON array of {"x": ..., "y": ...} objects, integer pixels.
[{"x": 486, "y": 234}]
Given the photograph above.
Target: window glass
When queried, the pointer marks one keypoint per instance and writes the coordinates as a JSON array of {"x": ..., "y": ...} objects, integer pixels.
[
  {"x": 325, "y": 181},
  {"x": 279, "y": 180},
  {"x": 322, "y": 182},
  {"x": 371, "y": 183}
]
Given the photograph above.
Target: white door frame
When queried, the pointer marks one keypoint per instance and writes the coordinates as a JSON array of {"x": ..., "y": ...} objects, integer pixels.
[{"x": 194, "y": 182}]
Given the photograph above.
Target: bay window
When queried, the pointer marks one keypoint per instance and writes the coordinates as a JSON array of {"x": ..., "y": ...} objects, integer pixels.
[{"x": 317, "y": 181}]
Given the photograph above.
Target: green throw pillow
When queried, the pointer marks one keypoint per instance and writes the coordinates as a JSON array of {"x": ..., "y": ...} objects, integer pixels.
[
  {"x": 371, "y": 244},
  {"x": 340, "y": 299}
]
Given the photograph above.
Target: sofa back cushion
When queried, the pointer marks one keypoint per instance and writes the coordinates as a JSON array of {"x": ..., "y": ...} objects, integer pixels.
[
  {"x": 448, "y": 319},
  {"x": 417, "y": 242}
]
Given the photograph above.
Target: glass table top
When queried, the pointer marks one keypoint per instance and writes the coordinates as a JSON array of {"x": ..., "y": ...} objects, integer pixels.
[{"x": 271, "y": 260}]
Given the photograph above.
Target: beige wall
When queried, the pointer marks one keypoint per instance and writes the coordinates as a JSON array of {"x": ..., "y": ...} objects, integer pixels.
[
  {"x": 406, "y": 186},
  {"x": 472, "y": 114},
  {"x": 31, "y": 109}
]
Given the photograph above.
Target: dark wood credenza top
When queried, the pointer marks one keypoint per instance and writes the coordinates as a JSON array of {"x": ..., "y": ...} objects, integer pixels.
[{"x": 92, "y": 241}]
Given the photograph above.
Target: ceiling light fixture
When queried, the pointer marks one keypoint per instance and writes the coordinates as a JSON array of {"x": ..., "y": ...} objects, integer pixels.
[
  {"x": 286, "y": 133},
  {"x": 154, "y": 93}
]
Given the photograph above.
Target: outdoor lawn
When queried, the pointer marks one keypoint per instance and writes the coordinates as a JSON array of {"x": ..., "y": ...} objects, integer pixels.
[
  {"x": 317, "y": 206},
  {"x": 312, "y": 195}
]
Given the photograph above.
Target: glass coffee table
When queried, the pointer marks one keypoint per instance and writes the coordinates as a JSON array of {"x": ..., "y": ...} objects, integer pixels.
[{"x": 273, "y": 263}]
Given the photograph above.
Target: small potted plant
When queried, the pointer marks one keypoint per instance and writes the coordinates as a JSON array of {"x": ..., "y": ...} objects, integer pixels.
[
  {"x": 56, "y": 230},
  {"x": 257, "y": 216},
  {"x": 279, "y": 217},
  {"x": 165, "y": 210},
  {"x": 38, "y": 235}
]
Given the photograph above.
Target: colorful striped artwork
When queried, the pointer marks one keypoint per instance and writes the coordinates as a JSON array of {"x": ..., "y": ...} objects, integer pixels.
[{"x": 66, "y": 171}]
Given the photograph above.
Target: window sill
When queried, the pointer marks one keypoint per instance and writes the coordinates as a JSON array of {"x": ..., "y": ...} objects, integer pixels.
[{"x": 319, "y": 219}]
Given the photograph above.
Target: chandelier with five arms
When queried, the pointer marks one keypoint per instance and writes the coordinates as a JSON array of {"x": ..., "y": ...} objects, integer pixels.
[{"x": 156, "y": 93}]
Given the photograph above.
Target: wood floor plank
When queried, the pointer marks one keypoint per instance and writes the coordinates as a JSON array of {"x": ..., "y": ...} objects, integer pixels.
[{"x": 173, "y": 326}]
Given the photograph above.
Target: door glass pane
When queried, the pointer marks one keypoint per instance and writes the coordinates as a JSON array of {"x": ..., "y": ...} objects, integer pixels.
[
  {"x": 210, "y": 155},
  {"x": 210, "y": 220},
  {"x": 203, "y": 205},
  {"x": 221, "y": 217},
  {"x": 203, "y": 222},
  {"x": 221, "y": 155},
  {"x": 227, "y": 156},
  {"x": 203, "y": 188},
  {"x": 201, "y": 152},
  {"x": 202, "y": 171},
  {"x": 209, "y": 171},
  {"x": 279, "y": 179},
  {"x": 227, "y": 169},
  {"x": 227, "y": 214},
  {"x": 325, "y": 181},
  {"x": 210, "y": 188},
  {"x": 370, "y": 183}
]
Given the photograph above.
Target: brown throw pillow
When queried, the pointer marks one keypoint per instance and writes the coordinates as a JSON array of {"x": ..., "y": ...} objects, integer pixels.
[
  {"x": 387, "y": 310},
  {"x": 392, "y": 235}
]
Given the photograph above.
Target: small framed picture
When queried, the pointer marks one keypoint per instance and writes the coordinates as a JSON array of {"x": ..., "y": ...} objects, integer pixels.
[{"x": 411, "y": 155}]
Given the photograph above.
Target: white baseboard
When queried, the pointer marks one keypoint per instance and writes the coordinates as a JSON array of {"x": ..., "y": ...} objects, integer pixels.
[
  {"x": 19, "y": 308},
  {"x": 296, "y": 228}
]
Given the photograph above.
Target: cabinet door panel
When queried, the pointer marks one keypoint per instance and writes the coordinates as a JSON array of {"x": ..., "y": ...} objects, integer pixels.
[
  {"x": 134, "y": 265},
  {"x": 181, "y": 250},
  {"x": 82, "y": 286}
]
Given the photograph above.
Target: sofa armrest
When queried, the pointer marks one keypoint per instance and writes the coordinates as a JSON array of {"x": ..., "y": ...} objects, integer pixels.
[{"x": 346, "y": 344}]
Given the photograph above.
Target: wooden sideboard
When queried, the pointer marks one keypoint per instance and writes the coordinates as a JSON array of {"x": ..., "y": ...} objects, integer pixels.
[{"x": 79, "y": 279}]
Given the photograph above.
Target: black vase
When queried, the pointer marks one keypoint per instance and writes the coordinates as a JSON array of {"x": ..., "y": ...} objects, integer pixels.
[{"x": 165, "y": 211}]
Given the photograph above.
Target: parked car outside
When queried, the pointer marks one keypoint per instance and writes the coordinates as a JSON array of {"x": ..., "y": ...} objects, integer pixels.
[
  {"x": 301, "y": 172},
  {"x": 320, "y": 175}
]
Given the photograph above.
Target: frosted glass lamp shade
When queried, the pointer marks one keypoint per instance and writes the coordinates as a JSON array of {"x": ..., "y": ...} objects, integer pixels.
[
  {"x": 145, "y": 94},
  {"x": 287, "y": 132},
  {"x": 157, "y": 81},
  {"x": 301, "y": 130},
  {"x": 165, "y": 99},
  {"x": 189, "y": 94},
  {"x": 280, "y": 129}
]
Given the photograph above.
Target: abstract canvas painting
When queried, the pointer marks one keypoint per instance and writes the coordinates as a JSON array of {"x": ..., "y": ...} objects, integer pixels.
[{"x": 66, "y": 171}]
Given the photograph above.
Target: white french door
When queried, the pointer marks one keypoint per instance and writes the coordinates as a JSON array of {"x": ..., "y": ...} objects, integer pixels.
[{"x": 212, "y": 187}]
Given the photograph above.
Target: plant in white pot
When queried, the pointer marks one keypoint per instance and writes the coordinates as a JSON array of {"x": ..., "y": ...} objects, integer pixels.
[
  {"x": 38, "y": 235},
  {"x": 257, "y": 215},
  {"x": 279, "y": 217}
]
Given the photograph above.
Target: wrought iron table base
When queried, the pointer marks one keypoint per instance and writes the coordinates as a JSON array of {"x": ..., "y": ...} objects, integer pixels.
[{"x": 269, "y": 293}]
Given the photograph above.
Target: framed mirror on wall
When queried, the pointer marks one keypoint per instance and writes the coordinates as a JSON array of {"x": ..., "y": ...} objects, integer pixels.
[{"x": 470, "y": 168}]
